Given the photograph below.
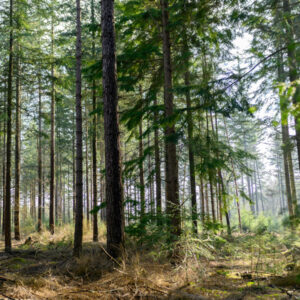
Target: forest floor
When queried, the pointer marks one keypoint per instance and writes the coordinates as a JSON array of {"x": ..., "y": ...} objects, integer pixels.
[{"x": 42, "y": 267}]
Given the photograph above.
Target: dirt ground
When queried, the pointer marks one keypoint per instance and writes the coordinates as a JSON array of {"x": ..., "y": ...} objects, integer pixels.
[{"x": 46, "y": 270}]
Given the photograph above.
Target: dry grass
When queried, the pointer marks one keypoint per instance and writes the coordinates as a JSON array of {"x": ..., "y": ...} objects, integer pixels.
[{"x": 45, "y": 269}]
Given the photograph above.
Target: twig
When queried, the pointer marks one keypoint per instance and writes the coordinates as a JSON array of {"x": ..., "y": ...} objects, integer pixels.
[
  {"x": 110, "y": 256},
  {"x": 7, "y": 296}
]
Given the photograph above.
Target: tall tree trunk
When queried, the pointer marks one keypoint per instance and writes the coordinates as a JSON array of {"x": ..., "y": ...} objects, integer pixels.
[
  {"x": 225, "y": 204},
  {"x": 152, "y": 210},
  {"x": 40, "y": 176},
  {"x": 69, "y": 196},
  {"x": 17, "y": 151},
  {"x": 293, "y": 65},
  {"x": 114, "y": 187},
  {"x": 207, "y": 203},
  {"x": 191, "y": 152},
  {"x": 52, "y": 138},
  {"x": 94, "y": 139},
  {"x": 201, "y": 188},
  {"x": 4, "y": 164},
  {"x": 74, "y": 171},
  {"x": 87, "y": 166},
  {"x": 7, "y": 221},
  {"x": 285, "y": 141},
  {"x": 291, "y": 171},
  {"x": 172, "y": 184},
  {"x": 157, "y": 165},
  {"x": 141, "y": 169},
  {"x": 256, "y": 195},
  {"x": 79, "y": 184},
  {"x": 210, "y": 172},
  {"x": 235, "y": 180},
  {"x": 260, "y": 188},
  {"x": 44, "y": 192}
]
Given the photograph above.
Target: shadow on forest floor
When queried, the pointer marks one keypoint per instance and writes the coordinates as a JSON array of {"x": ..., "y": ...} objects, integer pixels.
[{"x": 43, "y": 268}]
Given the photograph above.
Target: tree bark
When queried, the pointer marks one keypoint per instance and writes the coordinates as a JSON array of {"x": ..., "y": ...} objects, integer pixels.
[
  {"x": 79, "y": 184},
  {"x": 141, "y": 169},
  {"x": 285, "y": 141},
  {"x": 52, "y": 138},
  {"x": 40, "y": 179},
  {"x": 293, "y": 65},
  {"x": 157, "y": 165},
  {"x": 172, "y": 184},
  {"x": 94, "y": 139},
  {"x": 235, "y": 180},
  {"x": 87, "y": 166},
  {"x": 17, "y": 151},
  {"x": 7, "y": 215},
  {"x": 191, "y": 151},
  {"x": 114, "y": 186}
]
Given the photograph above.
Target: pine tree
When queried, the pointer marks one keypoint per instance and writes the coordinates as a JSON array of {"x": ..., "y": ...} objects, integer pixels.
[
  {"x": 113, "y": 171},
  {"x": 79, "y": 184}
]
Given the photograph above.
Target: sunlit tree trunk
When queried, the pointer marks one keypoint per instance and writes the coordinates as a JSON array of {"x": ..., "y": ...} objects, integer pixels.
[
  {"x": 293, "y": 64},
  {"x": 285, "y": 141},
  {"x": 235, "y": 180}
]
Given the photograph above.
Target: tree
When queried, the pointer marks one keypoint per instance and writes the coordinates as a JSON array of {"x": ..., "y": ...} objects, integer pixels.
[
  {"x": 94, "y": 132},
  {"x": 113, "y": 171},
  {"x": 52, "y": 138},
  {"x": 7, "y": 223},
  {"x": 40, "y": 175},
  {"x": 172, "y": 186},
  {"x": 79, "y": 184},
  {"x": 17, "y": 151}
]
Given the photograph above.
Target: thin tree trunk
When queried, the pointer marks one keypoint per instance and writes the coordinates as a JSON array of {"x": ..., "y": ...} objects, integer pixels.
[
  {"x": 191, "y": 152},
  {"x": 43, "y": 205},
  {"x": 79, "y": 184},
  {"x": 4, "y": 167},
  {"x": 7, "y": 221},
  {"x": 235, "y": 181},
  {"x": 157, "y": 165},
  {"x": 210, "y": 173},
  {"x": 286, "y": 172},
  {"x": 260, "y": 187},
  {"x": 150, "y": 175},
  {"x": 94, "y": 140},
  {"x": 207, "y": 202},
  {"x": 40, "y": 159},
  {"x": 87, "y": 166},
  {"x": 202, "y": 200},
  {"x": 52, "y": 138},
  {"x": 141, "y": 169},
  {"x": 74, "y": 171},
  {"x": 17, "y": 151},
  {"x": 114, "y": 187},
  {"x": 256, "y": 195}
]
